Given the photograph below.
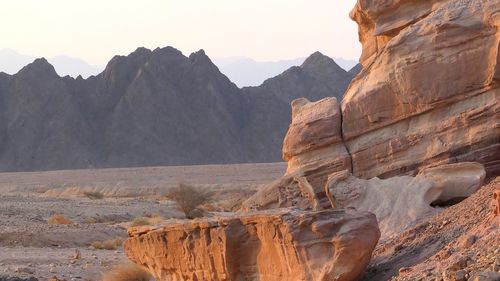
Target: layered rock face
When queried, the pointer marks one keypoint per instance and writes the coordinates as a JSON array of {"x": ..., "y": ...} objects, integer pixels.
[
  {"x": 314, "y": 149},
  {"x": 281, "y": 245},
  {"x": 428, "y": 94},
  {"x": 429, "y": 91}
]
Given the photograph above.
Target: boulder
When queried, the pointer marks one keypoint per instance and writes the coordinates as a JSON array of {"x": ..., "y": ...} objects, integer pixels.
[
  {"x": 281, "y": 245},
  {"x": 402, "y": 202}
]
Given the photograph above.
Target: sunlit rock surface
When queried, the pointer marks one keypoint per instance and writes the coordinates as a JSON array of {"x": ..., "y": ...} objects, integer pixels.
[{"x": 277, "y": 245}]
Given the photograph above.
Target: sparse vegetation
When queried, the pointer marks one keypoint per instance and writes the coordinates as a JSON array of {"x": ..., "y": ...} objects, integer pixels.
[
  {"x": 93, "y": 195},
  {"x": 140, "y": 221},
  {"x": 90, "y": 220},
  {"x": 188, "y": 198},
  {"x": 42, "y": 189},
  {"x": 59, "y": 219},
  {"x": 127, "y": 272},
  {"x": 112, "y": 244},
  {"x": 156, "y": 220}
]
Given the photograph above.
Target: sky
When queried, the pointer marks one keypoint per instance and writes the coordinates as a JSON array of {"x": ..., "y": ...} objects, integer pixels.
[{"x": 96, "y": 30}]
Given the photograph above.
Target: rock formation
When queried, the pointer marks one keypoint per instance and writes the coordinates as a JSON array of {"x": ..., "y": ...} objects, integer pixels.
[
  {"x": 151, "y": 108},
  {"x": 313, "y": 148},
  {"x": 398, "y": 202},
  {"x": 281, "y": 245},
  {"x": 401, "y": 202},
  {"x": 429, "y": 91},
  {"x": 428, "y": 94}
]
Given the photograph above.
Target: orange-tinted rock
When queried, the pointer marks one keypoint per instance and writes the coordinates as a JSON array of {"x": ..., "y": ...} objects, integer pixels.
[
  {"x": 429, "y": 89},
  {"x": 496, "y": 203},
  {"x": 314, "y": 125},
  {"x": 428, "y": 95},
  {"x": 278, "y": 245},
  {"x": 314, "y": 149}
]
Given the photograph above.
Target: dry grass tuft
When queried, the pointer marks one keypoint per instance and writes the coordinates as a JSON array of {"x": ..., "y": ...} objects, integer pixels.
[
  {"x": 127, "y": 272},
  {"x": 59, "y": 219},
  {"x": 156, "y": 220},
  {"x": 140, "y": 221},
  {"x": 93, "y": 195},
  {"x": 111, "y": 244}
]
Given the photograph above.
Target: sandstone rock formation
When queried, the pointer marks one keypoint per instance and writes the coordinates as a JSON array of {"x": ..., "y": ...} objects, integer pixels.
[
  {"x": 151, "y": 108},
  {"x": 281, "y": 245},
  {"x": 313, "y": 148},
  {"x": 428, "y": 94},
  {"x": 402, "y": 202},
  {"x": 429, "y": 91}
]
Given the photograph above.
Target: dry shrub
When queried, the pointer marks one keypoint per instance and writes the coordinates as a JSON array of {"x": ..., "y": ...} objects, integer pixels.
[
  {"x": 90, "y": 220},
  {"x": 42, "y": 189},
  {"x": 59, "y": 219},
  {"x": 188, "y": 198},
  {"x": 127, "y": 272},
  {"x": 93, "y": 195},
  {"x": 140, "y": 221},
  {"x": 111, "y": 244},
  {"x": 156, "y": 220}
]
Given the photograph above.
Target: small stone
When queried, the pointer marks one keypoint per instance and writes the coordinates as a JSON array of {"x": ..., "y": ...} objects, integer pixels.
[
  {"x": 404, "y": 269},
  {"x": 469, "y": 241},
  {"x": 460, "y": 275}
]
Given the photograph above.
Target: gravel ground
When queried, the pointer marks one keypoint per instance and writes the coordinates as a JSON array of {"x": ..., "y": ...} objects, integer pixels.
[{"x": 31, "y": 247}]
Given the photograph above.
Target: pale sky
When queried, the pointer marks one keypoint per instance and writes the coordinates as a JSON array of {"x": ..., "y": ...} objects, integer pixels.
[{"x": 95, "y": 30}]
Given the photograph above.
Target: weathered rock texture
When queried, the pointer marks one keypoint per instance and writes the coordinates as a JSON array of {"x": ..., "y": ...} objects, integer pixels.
[
  {"x": 429, "y": 90},
  {"x": 428, "y": 94},
  {"x": 313, "y": 148},
  {"x": 281, "y": 245},
  {"x": 402, "y": 202}
]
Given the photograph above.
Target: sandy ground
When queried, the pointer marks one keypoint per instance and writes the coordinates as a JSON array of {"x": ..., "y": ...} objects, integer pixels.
[{"x": 31, "y": 247}]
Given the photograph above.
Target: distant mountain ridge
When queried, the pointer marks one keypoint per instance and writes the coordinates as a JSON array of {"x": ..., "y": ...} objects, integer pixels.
[
  {"x": 150, "y": 108},
  {"x": 244, "y": 71},
  {"x": 11, "y": 62}
]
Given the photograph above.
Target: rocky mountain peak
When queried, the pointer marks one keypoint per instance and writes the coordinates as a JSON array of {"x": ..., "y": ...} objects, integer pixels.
[
  {"x": 200, "y": 57},
  {"x": 39, "y": 67},
  {"x": 318, "y": 61}
]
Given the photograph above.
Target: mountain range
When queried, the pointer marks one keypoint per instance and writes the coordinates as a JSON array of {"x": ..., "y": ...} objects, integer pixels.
[
  {"x": 243, "y": 71},
  {"x": 151, "y": 108},
  {"x": 11, "y": 62}
]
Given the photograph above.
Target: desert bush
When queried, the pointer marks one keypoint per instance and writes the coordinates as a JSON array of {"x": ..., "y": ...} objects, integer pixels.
[
  {"x": 188, "y": 198},
  {"x": 94, "y": 195},
  {"x": 127, "y": 272},
  {"x": 59, "y": 219},
  {"x": 156, "y": 220},
  {"x": 111, "y": 244},
  {"x": 42, "y": 189},
  {"x": 90, "y": 220},
  {"x": 140, "y": 221}
]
